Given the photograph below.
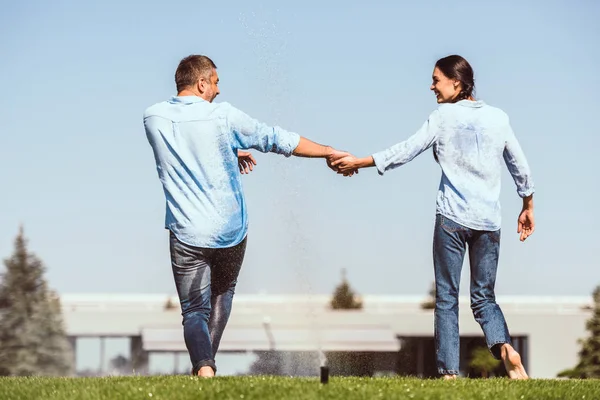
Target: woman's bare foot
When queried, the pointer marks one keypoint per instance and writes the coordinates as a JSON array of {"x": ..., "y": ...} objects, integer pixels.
[
  {"x": 512, "y": 362},
  {"x": 448, "y": 377}
]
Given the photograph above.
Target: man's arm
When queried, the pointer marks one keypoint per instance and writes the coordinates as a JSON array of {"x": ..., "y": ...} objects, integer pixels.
[
  {"x": 310, "y": 149},
  {"x": 249, "y": 133}
]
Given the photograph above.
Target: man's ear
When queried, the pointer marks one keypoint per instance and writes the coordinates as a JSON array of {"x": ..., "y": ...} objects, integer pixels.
[{"x": 201, "y": 85}]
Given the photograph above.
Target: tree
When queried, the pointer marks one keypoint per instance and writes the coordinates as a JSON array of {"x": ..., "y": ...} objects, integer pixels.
[
  {"x": 32, "y": 336},
  {"x": 170, "y": 305},
  {"x": 483, "y": 362},
  {"x": 55, "y": 355},
  {"x": 344, "y": 297},
  {"x": 589, "y": 355},
  {"x": 429, "y": 304}
]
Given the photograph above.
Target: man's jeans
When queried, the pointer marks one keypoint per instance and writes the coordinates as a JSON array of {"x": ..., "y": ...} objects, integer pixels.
[
  {"x": 449, "y": 245},
  {"x": 205, "y": 280}
]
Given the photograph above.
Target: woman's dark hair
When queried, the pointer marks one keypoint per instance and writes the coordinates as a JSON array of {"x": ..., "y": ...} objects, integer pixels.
[{"x": 456, "y": 67}]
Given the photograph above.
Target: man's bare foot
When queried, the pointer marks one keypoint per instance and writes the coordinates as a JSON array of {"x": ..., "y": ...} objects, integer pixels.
[
  {"x": 448, "y": 377},
  {"x": 512, "y": 362},
  {"x": 206, "y": 372}
]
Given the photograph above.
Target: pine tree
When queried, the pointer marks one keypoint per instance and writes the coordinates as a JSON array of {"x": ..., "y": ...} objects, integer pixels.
[
  {"x": 589, "y": 355},
  {"x": 55, "y": 356},
  {"x": 429, "y": 304},
  {"x": 483, "y": 362},
  {"x": 32, "y": 336},
  {"x": 344, "y": 297}
]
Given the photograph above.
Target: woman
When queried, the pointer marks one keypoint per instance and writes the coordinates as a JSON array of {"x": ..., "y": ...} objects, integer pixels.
[{"x": 471, "y": 140}]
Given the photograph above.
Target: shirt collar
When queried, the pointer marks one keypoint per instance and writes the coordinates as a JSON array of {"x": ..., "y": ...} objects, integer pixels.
[
  {"x": 186, "y": 99},
  {"x": 471, "y": 104}
]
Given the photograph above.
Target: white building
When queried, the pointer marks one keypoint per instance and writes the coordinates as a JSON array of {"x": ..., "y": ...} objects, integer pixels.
[{"x": 544, "y": 329}]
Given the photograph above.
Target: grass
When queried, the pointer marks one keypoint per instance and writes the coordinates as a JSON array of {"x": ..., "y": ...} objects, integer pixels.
[{"x": 259, "y": 387}]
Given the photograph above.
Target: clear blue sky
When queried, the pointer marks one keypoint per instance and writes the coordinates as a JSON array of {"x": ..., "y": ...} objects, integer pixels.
[{"x": 78, "y": 172}]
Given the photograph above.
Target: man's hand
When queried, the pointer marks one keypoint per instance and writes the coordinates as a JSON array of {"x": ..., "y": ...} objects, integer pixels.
[
  {"x": 526, "y": 224},
  {"x": 246, "y": 162}
]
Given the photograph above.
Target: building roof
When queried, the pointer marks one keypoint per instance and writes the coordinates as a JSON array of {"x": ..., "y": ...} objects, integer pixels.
[{"x": 286, "y": 322}]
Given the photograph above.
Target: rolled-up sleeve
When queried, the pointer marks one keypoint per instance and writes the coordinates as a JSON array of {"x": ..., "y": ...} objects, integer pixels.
[
  {"x": 515, "y": 160},
  {"x": 248, "y": 133},
  {"x": 403, "y": 152}
]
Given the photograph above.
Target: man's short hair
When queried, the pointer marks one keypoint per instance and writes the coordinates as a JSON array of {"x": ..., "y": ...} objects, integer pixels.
[{"x": 191, "y": 69}]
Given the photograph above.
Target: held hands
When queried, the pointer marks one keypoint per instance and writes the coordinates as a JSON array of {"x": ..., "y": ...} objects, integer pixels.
[
  {"x": 347, "y": 164},
  {"x": 340, "y": 162}
]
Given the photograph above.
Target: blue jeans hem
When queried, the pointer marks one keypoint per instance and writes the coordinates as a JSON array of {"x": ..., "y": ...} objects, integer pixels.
[
  {"x": 447, "y": 372},
  {"x": 496, "y": 353},
  {"x": 204, "y": 363}
]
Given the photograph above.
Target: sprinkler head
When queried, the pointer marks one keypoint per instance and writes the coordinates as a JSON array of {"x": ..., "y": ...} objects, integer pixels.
[{"x": 324, "y": 374}]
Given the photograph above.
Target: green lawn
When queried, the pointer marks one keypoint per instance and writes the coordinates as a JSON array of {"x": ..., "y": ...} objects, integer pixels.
[{"x": 259, "y": 387}]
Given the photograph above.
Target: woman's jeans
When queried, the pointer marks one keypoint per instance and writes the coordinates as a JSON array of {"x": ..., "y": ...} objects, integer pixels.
[{"x": 449, "y": 246}]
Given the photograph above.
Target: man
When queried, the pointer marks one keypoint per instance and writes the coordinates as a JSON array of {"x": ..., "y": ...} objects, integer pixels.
[{"x": 196, "y": 145}]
